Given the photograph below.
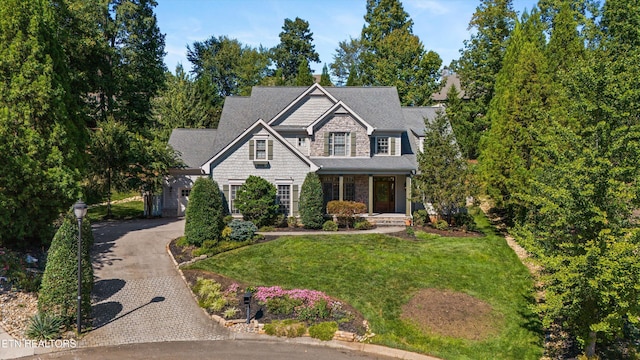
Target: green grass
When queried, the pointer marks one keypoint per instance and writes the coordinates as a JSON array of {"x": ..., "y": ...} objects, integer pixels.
[
  {"x": 127, "y": 210},
  {"x": 377, "y": 274}
]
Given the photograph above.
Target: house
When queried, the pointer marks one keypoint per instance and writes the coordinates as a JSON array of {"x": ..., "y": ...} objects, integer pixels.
[{"x": 359, "y": 140}]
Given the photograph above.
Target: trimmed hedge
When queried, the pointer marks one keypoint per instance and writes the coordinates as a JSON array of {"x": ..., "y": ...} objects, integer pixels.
[
  {"x": 311, "y": 202},
  {"x": 59, "y": 288},
  {"x": 346, "y": 211},
  {"x": 205, "y": 212}
]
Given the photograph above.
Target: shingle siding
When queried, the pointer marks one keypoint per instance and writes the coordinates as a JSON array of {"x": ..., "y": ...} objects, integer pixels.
[{"x": 307, "y": 111}]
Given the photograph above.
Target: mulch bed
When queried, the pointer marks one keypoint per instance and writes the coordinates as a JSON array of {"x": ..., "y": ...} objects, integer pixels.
[{"x": 258, "y": 311}]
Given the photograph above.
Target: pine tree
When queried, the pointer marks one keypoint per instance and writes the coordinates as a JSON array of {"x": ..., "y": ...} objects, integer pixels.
[
  {"x": 325, "y": 80},
  {"x": 304, "y": 76},
  {"x": 348, "y": 56},
  {"x": 519, "y": 115},
  {"x": 296, "y": 45},
  {"x": 478, "y": 67},
  {"x": 394, "y": 56}
]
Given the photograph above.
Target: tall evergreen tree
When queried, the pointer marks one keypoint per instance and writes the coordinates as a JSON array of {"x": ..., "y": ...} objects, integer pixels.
[
  {"x": 478, "y": 67},
  {"x": 296, "y": 45},
  {"x": 394, "y": 56},
  {"x": 518, "y": 113},
  {"x": 41, "y": 137},
  {"x": 325, "y": 80},
  {"x": 304, "y": 76}
]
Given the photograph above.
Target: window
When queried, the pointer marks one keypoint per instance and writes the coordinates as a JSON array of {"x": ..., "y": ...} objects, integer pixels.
[
  {"x": 338, "y": 144},
  {"x": 233, "y": 190},
  {"x": 185, "y": 192},
  {"x": 284, "y": 199},
  {"x": 382, "y": 145},
  {"x": 302, "y": 142},
  {"x": 349, "y": 188},
  {"x": 261, "y": 149}
]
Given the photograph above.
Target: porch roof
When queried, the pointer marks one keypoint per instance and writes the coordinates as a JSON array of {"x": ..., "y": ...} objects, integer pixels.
[{"x": 404, "y": 164}]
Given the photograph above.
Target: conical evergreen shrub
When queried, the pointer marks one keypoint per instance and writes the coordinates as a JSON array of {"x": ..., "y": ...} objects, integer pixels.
[
  {"x": 205, "y": 213},
  {"x": 59, "y": 288},
  {"x": 311, "y": 202}
]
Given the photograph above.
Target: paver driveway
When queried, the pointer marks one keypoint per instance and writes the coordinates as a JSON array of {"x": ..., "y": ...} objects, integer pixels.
[{"x": 138, "y": 295}]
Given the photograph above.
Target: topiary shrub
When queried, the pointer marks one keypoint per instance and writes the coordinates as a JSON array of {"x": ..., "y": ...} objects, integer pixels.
[
  {"x": 330, "y": 225},
  {"x": 242, "y": 230},
  {"x": 323, "y": 331},
  {"x": 256, "y": 201},
  {"x": 311, "y": 202},
  {"x": 58, "y": 295},
  {"x": 420, "y": 217},
  {"x": 205, "y": 212},
  {"x": 346, "y": 211}
]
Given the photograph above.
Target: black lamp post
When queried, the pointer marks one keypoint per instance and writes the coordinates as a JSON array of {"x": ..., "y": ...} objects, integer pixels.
[
  {"x": 80, "y": 210},
  {"x": 247, "y": 302}
]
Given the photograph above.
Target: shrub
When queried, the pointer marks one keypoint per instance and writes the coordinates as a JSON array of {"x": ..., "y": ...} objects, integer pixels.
[
  {"x": 230, "y": 312},
  {"x": 311, "y": 202},
  {"x": 204, "y": 213},
  {"x": 242, "y": 230},
  {"x": 363, "y": 224},
  {"x": 289, "y": 328},
  {"x": 292, "y": 221},
  {"x": 281, "y": 221},
  {"x": 464, "y": 221},
  {"x": 323, "y": 331},
  {"x": 346, "y": 211},
  {"x": 59, "y": 287},
  {"x": 441, "y": 225},
  {"x": 226, "y": 232},
  {"x": 227, "y": 219},
  {"x": 410, "y": 231},
  {"x": 182, "y": 241},
  {"x": 211, "y": 296},
  {"x": 330, "y": 225},
  {"x": 282, "y": 305},
  {"x": 44, "y": 326},
  {"x": 420, "y": 217},
  {"x": 312, "y": 312},
  {"x": 256, "y": 200}
]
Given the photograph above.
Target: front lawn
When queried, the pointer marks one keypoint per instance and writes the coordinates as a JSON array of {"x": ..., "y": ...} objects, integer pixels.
[
  {"x": 378, "y": 274},
  {"x": 119, "y": 211}
]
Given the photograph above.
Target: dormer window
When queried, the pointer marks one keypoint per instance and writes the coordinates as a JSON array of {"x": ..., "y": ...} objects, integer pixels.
[{"x": 382, "y": 145}]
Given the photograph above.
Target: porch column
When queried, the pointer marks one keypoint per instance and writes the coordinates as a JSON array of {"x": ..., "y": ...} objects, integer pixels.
[
  {"x": 408, "y": 194},
  {"x": 370, "y": 194},
  {"x": 341, "y": 188}
]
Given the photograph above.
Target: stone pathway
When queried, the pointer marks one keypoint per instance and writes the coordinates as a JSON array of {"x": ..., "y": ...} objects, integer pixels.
[{"x": 138, "y": 295}]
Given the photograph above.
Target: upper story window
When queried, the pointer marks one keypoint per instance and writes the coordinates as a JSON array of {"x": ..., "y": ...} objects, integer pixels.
[
  {"x": 382, "y": 145},
  {"x": 302, "y": 141},
  {"x": 338, "y": 144},
  {"x": 261, "y": 149}
]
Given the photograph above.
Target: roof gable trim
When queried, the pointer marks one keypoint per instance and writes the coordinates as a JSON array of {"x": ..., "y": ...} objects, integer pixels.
[
  {"x": 315, "y": 90},
  {"x": 334, "y": 109}
]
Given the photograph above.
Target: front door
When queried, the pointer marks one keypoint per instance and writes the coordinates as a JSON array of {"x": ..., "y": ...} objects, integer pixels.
[{"x": 384, "y": 195}]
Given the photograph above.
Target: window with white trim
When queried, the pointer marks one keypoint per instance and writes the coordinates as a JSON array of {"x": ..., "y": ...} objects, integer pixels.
[
  {"x": 382, "y": 145},
  {"x": 284, "y": 199},
  {"x": 261, "y": 149},
  {"x": 233, "y": 191},
  {"x": 338, "y": 144},
  {"x": 185, "y": 192},
  {"x": 302, "y": 141}
]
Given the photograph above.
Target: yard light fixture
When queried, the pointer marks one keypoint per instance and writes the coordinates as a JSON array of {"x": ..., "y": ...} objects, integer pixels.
[
  {"x": 247, "y": 302},
  {"x": 80, "y": 210}
]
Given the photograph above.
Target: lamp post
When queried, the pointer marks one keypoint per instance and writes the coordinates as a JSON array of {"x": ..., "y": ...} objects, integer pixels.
[
  {"x": 80, "y": 210},
  {"x": 247, "y": 301}
]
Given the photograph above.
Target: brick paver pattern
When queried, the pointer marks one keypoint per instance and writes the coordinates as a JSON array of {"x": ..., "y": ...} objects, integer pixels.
[{"x": 138, "y": 295}]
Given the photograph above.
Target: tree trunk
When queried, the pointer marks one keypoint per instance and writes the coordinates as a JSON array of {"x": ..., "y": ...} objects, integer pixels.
[
  {"x": 590, "y": 347},
  {"x": 148, "y": 201},
  {"x": 108, "y": 194}
]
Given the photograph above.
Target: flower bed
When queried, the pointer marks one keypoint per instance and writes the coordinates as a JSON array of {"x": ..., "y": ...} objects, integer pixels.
[{"x": 271, "y": 304}]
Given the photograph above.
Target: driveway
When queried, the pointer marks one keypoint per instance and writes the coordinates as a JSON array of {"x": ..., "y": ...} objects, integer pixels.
[{"x": 138, "y": 296}]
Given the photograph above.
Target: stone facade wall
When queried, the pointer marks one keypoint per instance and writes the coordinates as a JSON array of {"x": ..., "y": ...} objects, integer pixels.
[{"x": 341, "y": 123}]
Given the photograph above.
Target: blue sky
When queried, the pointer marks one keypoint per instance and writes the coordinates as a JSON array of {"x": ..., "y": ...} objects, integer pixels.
[{"x": 440, "y": 24}]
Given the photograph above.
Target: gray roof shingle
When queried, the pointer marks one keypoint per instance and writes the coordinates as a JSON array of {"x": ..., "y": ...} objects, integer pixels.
[{"x": 195, "y": 146}]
